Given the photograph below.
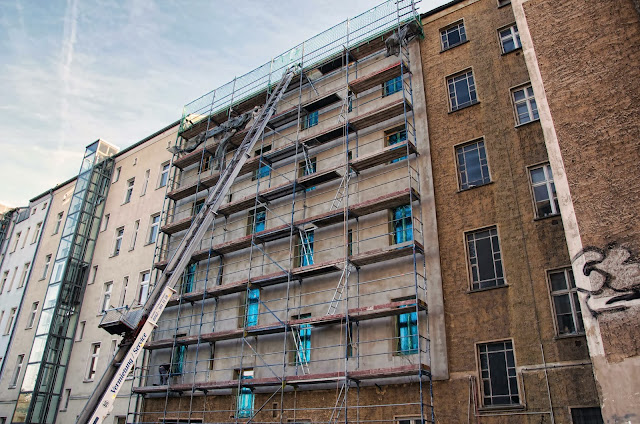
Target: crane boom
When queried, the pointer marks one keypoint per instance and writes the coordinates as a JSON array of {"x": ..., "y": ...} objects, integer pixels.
[{"x": 103, "y": 397}]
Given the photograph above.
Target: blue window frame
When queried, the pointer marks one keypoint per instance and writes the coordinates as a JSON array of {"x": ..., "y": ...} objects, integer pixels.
[
  {"x": 408, "y": 333},
  {"x": 306, "y": 248},
  {"x": 303, "y": 354},
  {"x": 395, "y": 138},
  {"x": 393, "y": 86},
  {"x": 257, "y": 220},
  {"x": 253, "y": 307},
  {"x": 311, "y": 120},
  {"x": 188, "y": 282},
  {"x": 264, "y": 170},
  {"x": 179, "y": 356},
  {"x": 402, "y": 224},
  {"x": 197, "y": 206},
  {"x": 245, "y": 397},
  {"x": 307, "y": 169}
]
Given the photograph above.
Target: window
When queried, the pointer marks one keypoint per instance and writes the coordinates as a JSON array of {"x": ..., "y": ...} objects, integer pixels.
[
  {"x": 146, "y": 182},
  {"x": 485, "y": 260},
  {"x": 105, "y": 222},
  {"x": 307, "y": 167},
  {"x": 408, "y": 339},
  {"x": 510, "y": 39},
  {"x": 36, "y": 232},
  {"x": 5, "y": 276},
  {"x": 409, "y": 420},
  {"x": 92, "y": 362},
  {"x": 118, "y": 242},
  {"x": 123, "y": 293},
  {"x": 392, "y": 86},
  {"x": 116, "y": 175},
  {"x": 16, "y": 372},
  {"x": 566, "y": 306},
  {"x": 264, "y": 170},
  {"x": 310, "y": 120},
  {"x": 32, "y": 314},
  {"x": 16, "y": 241},
  {"x": 1, "y": 316},
  {"x": 244, "y": 407},
  {"x": 58, "y": 223},
  {"x": 473, "y": 167},
  {"x": 178, "y": 359},
  {"x": 401, "y": 224},
  {"x": 65, "y": 399},
  {"x": 544, "y": 191},
  {"x": 498, "y": 374},
  {"x": 206, "y": 163},
  {"x": 197, "y": 206},
  {"x": 525, "y": 105},
  {"x": 47, "y": 264},
  {"x": 129, "y": 192},
  {"x": 23, "y": 277},
  {"x": 462, "y": 90},
  {"x": 304, "y": 248},
  {"x": 253, "y": 308},
  {"x": 154, "y": 228},
  {"x": 13, "y": 279},
  {"x": 134, "y": 236},
  {"x": 26, "y": 235},
  {"x": 503, "y": 2},
  {"x": 257, "y": 220},
  {"x": 164, "y": 175},
  {"x": 394, "y": 137},
  {"x": 302, "y": 336},
  {"x": 453, "y": 35},
  {"x": 95, "y": 274},
  {"x": 12, "y": 317},
  {"x": 143, "y": 291},
  {"x": 188, "y": 279},
  {"x": 106, "y": 296},
  {"x": 44, "y": 205},
  {"x": 592, "y": 415},
  {"x": 80, "y": 332}
]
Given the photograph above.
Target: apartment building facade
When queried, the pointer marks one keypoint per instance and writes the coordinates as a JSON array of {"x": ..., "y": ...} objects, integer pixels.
[
  {"x": 18, "y": 354},
  {"x": 413, "y": 237},
  {"x": 20, "y": 247}
]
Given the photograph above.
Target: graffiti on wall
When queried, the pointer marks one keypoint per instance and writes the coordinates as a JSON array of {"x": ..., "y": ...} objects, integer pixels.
[{"x": 614, "y": 273}]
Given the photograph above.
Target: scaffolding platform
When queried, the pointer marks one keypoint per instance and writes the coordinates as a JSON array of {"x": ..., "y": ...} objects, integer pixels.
[
  {"x": 387, "y": 201},
  {"x": 377, "y": 78},
  {"x": 386, "y": 155},
  {"x": 381, "y": 114},
  {"x": 355, "y": 314}
]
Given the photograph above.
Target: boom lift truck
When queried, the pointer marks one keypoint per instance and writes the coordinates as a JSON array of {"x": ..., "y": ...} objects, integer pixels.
[{"x": 137, "y": 326}]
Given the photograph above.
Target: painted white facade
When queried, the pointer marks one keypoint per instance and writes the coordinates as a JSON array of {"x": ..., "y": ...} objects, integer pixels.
[{"x": 17, "y": 267}]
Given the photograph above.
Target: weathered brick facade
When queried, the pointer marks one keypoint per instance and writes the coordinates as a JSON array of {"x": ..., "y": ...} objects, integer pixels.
[{"x": 585, "y": 60}]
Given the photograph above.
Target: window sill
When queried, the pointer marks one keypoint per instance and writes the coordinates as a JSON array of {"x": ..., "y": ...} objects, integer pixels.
[
  {"x": 527, "y": 123},
  {"x": 149, "y": 243},
  {"x": 462, "y": 190},
  {"x": 12, "y": 387},
  {"x": 519, "y": 49},
  {"x": 500, "y": 6},
  {"x": 88, "y": 381},
  {"x": 569, "y": 336},
  {"x": 487, "y": 289},
  {"x": 542, "y": 218},
  {"x": 464, "y": 107},
  {"x": 454, "y": 46},
  {"x": 501, "y": 408}
]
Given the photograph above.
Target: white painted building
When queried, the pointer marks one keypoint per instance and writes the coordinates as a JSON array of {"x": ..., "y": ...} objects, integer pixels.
[{"x": 19, "y": 249}]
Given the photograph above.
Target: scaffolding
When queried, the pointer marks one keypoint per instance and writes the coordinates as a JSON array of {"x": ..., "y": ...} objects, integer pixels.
[{"x": 307, "y": 295}]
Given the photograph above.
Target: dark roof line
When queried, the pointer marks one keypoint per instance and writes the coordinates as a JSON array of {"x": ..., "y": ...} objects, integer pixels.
[{"x": 439, "y": 8}]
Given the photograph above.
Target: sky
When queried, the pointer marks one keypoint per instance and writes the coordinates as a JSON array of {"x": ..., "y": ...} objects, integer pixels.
[{"x": 77, "y": 70}]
